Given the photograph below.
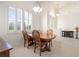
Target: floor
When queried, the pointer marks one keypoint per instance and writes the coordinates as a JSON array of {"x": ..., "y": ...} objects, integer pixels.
[{"x": 62, "y": 47}]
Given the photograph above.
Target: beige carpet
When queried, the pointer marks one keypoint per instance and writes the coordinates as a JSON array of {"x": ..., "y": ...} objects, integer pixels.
[{"x": 62, "y": 47}]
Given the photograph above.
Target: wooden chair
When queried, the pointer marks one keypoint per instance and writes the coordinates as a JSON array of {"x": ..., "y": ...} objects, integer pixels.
[
  {"x": 27, "y": 39},
  {"x": 37, "y": 41},
  {"x": 40, "y": 31},
  {"x": 50, "y": 33}
]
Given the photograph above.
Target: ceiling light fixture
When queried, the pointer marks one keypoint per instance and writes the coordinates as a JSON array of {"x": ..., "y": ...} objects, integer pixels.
[{"x": 37, "y": 8}]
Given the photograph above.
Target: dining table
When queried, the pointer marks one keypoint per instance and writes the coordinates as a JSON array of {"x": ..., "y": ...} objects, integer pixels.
[{"x": 46, "y": 38}]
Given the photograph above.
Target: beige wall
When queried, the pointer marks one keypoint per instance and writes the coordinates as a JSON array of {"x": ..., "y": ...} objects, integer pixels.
[{"x": 69, "y": 18}]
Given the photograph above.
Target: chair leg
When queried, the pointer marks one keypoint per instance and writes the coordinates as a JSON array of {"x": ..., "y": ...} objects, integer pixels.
[
  {"x": 27, "y": 42},
  {"x": 27, "y": 45},
  {"x": 34, "y": 47},
  {"x": 40, "y": 48},
  {"x": 51, "y": 42},
  {"x": 24, "y": 43},
  {"x": 32, "y": 41}
]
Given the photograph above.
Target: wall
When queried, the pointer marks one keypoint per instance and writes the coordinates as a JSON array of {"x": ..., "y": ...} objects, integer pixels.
[
  {"x": 37, "y": 21},
  {"x": 68, "y": 21},
  {"x": 69, "y": 18}
]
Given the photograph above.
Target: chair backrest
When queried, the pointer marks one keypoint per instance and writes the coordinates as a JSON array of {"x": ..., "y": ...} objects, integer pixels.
[
  {"x": 36, "y": 35},
  {"x": 40, "y": 31},
  {"x": 50, "y": 32},
  {"x": 25, "y": 35}
]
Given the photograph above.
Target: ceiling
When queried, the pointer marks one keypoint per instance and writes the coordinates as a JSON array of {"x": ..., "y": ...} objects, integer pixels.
[{"x": 45, "y": 4}]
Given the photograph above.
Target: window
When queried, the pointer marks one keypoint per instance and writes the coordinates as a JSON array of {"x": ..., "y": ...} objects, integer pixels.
[
  {"x": 12, "y": 18},
  {"x": 28, "y": 21},
  {"x": 18, "y": 20}
]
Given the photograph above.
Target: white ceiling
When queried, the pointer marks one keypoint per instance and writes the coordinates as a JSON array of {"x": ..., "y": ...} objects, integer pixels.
[
  {"x": 45, "y": 4},
  {"x": 51, "y": 3}
]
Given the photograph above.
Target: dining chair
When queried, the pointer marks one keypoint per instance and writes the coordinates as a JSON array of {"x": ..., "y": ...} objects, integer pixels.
[
  {"x": 27, "y": 39},
  {"x": 40, "y": 31},
  {"x": 37, "y": 41},
  {"x": 50, "y": 33}
]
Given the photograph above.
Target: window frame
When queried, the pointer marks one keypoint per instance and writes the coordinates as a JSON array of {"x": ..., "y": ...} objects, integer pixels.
[
  {"x": 23, "y": 18},
  {"x": 10, "y": 31},
  {"x": 29, "y": 30}
]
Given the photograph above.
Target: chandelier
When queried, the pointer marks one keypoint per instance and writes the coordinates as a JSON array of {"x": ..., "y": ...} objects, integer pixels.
[{"x": 37, "y": 8}]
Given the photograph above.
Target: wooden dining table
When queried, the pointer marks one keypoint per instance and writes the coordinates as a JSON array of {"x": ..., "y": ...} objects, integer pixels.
[{"x": 45, "y": 38}]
